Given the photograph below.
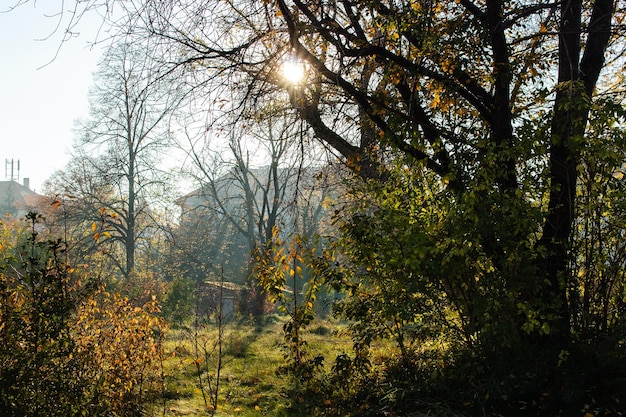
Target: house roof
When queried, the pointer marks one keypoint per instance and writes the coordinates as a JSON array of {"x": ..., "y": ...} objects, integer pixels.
[
  {"x": 18, "y": 196},
  {"x": 227, "y": 184}
]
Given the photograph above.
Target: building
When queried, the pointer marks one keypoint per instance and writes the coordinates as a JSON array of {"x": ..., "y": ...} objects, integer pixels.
[
  {"x": 223, "y": 298},
  {"x": 18, "y": 199}
]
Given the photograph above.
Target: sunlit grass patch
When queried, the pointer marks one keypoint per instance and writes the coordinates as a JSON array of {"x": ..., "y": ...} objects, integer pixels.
[{"x": 252, "y": 352}]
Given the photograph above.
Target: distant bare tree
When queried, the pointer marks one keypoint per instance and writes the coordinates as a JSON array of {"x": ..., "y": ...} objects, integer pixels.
[
  {"x": 114, "y": 175},
  {"x": 258, "y": 183}
]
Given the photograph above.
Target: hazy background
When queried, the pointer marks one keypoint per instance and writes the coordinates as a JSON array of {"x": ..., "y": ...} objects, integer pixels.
[{"x": 41, "y": 95}]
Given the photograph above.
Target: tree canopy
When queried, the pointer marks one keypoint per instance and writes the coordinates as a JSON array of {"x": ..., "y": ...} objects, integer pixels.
[
  {"x": 491, "y": 106},
  {"x": 493, "y": 97}
]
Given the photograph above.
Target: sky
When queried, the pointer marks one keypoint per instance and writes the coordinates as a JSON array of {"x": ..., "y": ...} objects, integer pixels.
[{"x": 41, "y": 96}]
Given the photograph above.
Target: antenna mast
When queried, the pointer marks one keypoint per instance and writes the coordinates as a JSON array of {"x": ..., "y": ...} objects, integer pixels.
[{"x": 12, "y": 163}]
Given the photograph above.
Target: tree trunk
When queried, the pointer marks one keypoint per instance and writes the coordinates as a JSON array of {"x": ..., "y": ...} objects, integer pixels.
[{"x": 571, "y": 111}]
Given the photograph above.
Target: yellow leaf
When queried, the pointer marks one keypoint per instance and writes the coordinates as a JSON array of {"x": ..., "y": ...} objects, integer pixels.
[
  {"x": 436, "y": 100},
  {"x": 94, "y": 226}
]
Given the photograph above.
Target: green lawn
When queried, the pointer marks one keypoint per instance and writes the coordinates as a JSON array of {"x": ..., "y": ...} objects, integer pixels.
[{"x": 251, "y": 356}]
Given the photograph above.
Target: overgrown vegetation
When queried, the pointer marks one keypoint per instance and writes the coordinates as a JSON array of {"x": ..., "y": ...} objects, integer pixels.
[
  {"x": 473, "y": 233},
  {"x": 72, "y": 347},
  {"x": 67, "y": 346}
]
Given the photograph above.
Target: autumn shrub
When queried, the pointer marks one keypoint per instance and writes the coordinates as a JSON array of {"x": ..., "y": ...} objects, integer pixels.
[
  {"x": 66, "y": 348},
  {"x": 123, "y": 345},
  {"x": 39, "y": 293}
]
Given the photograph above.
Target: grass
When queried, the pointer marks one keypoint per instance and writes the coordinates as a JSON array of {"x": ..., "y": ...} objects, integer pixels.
[
  {"x": 251, "y": 386},
  {"x": 251, "y": 355}
]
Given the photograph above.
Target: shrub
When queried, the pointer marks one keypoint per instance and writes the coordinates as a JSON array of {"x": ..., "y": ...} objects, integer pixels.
[
  {"x": 65, "y": 348},
  {"x": 122, "y": 344},
  {"x": 39, "y": 293},
  {"x": 180, "y": 301}
]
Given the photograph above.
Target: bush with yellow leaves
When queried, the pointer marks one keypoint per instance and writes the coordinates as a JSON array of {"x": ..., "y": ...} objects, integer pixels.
[
  {"x": 67, "y": 347},
  {"x": 123, "y": 344}
]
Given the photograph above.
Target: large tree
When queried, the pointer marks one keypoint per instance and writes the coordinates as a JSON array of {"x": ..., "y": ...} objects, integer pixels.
[
  {"x": 115, "y": 176},
  {"x": 491, "y": 96}
]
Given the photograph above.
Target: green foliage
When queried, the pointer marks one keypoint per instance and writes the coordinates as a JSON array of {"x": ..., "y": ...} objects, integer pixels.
[
  {"x": 419, "y": 263},
  {"x": 452, "y": 281},
  {"x": 598, "y": 289},
  {"x": 179, "y": 302}
]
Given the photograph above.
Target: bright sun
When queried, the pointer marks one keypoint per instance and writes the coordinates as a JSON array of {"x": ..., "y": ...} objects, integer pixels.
[{"x": 293, "y": 71}]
